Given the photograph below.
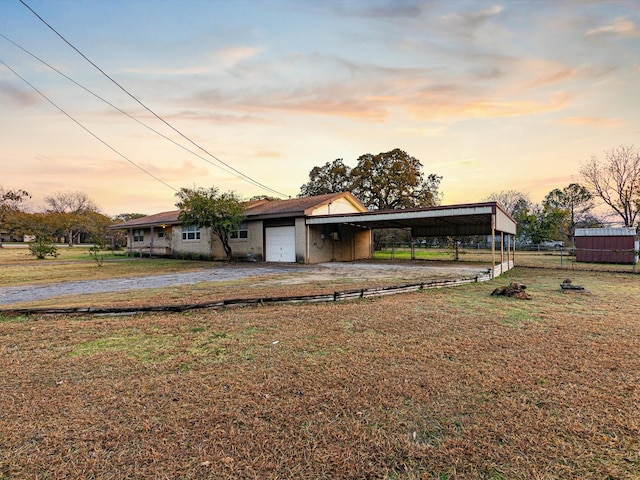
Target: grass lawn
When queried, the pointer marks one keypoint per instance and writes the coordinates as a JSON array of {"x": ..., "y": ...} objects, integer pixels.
[
  {"x": 542, "y": 259},
  {"x": 20, "y": 268},
  {"x": 440, "y": 384}
]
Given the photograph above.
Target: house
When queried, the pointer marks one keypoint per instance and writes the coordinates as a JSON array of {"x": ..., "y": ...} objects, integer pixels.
[
  {"x": 324, "y": 228},
  {"x": 607, "y": 245},
  {"x": 273, "y": 231}
]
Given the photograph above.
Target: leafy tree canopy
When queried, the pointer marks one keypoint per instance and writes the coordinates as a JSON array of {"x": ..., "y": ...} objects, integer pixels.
[
  {"x": 10, "y": 202},
  {"x": 207, "y": 207},
  {"x": 575, "y": 201},
  {"x": 388, "y": 180},
  {"x": 332, "y": 177},
  {"x": 125, "y": 217}
]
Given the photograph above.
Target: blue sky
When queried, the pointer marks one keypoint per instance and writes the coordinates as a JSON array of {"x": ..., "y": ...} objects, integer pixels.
[{"x": 490, "y": 95}]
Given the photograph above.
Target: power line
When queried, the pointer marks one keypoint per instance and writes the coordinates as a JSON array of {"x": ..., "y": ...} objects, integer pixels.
[
  {"x": 85, "y": 128},
  {"x": 114, "y": 106},
  {"x": 246, "y": 177}
]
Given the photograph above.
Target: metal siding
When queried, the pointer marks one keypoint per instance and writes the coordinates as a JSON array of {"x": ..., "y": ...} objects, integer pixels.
[{"x": 610, "y": 249}]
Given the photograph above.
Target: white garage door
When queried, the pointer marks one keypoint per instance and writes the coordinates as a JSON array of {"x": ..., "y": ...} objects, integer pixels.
[{"x": 280, "y": 244}]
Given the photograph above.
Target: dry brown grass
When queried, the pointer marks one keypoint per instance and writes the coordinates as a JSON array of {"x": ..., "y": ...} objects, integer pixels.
[
  {"x": 447, "y": 383},
  {"x": 20, "y": 268}
]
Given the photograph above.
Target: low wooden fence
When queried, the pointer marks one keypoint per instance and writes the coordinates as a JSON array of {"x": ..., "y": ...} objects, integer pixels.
[{"x": 249, "y": 302}]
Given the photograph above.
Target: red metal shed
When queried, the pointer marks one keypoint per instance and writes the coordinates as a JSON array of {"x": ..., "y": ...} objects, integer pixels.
[{"x": 606, "y": 245}]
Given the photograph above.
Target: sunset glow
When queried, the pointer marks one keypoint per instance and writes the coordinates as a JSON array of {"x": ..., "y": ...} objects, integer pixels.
[{"x": 491, "y": 96}]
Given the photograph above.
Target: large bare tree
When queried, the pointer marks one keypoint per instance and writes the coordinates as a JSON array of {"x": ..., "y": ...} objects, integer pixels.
[
  {"x": 616, "y": 181},
  {"x": 513, "y": 201}
]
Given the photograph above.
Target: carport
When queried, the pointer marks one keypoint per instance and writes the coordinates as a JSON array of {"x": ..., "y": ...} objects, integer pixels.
[{"x": 488, "y": 218}]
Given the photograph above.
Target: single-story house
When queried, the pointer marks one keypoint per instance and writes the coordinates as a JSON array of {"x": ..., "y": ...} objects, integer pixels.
[
  {"x": 607, "y": 245},
  {"x": 273, "y": 231},
  {"x": 324, "y": 228}
]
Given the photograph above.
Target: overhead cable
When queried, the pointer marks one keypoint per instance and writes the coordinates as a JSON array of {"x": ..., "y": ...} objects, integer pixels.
[
  {"x": 139, "y": 102},
  {"x": 113, "y": 106},
  {"x": 86, "y": 129}
]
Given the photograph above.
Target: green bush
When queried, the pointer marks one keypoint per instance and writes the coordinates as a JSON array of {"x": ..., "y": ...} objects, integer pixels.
[{"x": 43, "y": 248}]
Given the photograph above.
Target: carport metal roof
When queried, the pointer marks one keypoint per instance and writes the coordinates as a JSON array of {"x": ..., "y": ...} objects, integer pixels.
[{"x": 453, "y": 220}]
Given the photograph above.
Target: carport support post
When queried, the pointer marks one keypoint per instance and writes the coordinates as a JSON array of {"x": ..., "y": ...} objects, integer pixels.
[
  {"x": 501, "y": 253},
  {"x": 493, "y": 245}
]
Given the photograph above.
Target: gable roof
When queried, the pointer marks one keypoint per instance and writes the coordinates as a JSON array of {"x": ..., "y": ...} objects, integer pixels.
[
  {"x": 301, "y": 206},
  {"x": 293, "y": 207}
]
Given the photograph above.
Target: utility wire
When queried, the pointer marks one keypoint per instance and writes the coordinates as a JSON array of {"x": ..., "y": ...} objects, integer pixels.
[
  {"x": 114, "y": 106},
  {"x": 86, "y": 129},
  {"x": 246, "y": 177}
]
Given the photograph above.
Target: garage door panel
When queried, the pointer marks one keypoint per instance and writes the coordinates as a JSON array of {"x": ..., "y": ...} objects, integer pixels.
[{"x": 280, "y": 244}]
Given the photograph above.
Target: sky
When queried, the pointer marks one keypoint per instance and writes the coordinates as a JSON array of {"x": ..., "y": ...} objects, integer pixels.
[{"x": 492, "y": 96}]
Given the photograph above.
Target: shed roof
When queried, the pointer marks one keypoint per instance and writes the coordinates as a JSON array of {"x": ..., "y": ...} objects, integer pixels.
[{"x": 606, "y": 232}]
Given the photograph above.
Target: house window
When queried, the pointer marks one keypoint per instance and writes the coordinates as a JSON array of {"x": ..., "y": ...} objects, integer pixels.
[
  {"x": 241, "y": 232},
  {"x": 160, "y": 233},
  {"x": 138, "y": 235},
  {"x": 190, "y": 233}
]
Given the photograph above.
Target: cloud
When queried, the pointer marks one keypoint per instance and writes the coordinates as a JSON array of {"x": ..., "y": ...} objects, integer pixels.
[
  {"x": 621, "y": 26},
  {"x": 472, "y": 19},
  {"x": 383, "y": 10},
  {"x": 17, "y": 97},
  {"x": 460, "y": 108},
  {"x": 229, "y": 57},
  {"x": 269, "y": 154},
  {"x": 594, "y": 122},
  {"x": 467, "y": 23},
  {"x": 225, "y": 58}
]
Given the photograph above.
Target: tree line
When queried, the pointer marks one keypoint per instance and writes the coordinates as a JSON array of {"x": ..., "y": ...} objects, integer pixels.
[
  {"x": 385, "y": 181},
  {"x": 70, "y": 217},
  {"x": 395, "y": 180}
]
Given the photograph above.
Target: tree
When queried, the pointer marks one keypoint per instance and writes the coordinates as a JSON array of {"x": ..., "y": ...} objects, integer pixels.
[
  {"x": 616, "y": 181},
  {"x": 332, "y": 177},
  {"x": 539, "y": 223},
  {"x": 72, "y": 211},
  {"x": 393, "y": 180},
  {"x": 575, "y": 201},
  {"x": 125, "y": 217},
  {"x": 514, "y": 202},
  {"x": 221, "y": 212},
  {"x": 385, "y": 181},
  {"x": 10, "y": 201},
  {"x": 519, "y": 206},
  {"x": 44, "y": 228}
]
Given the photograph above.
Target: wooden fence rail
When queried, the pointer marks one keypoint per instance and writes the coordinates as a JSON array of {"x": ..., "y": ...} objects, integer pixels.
[{"x": 248, "y": 302}]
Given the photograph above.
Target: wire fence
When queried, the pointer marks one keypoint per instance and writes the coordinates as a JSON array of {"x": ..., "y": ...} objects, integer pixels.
[{"x": 533, "y": 256}]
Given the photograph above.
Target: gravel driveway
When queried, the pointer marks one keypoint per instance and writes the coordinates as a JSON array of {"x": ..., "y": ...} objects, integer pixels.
[
  {"x": 28, "y": 293},
  {"x": 286, "y": 273}
]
